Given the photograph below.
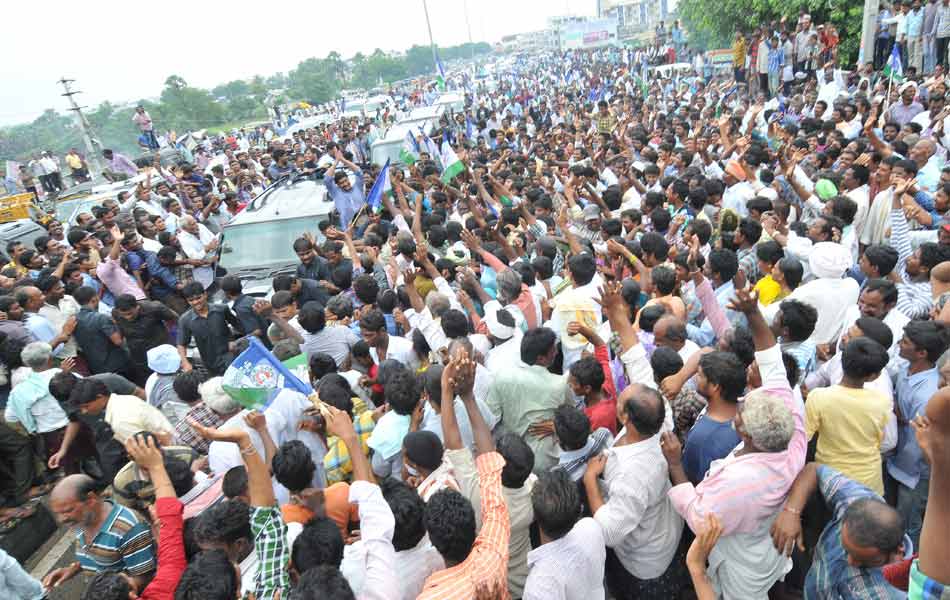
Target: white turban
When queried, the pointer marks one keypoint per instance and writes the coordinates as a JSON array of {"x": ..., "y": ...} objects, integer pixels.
[{"x": 829, "y": 260}]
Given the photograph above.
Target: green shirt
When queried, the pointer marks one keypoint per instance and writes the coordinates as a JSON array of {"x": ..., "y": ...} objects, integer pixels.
[{"x": 522, "y": 395}]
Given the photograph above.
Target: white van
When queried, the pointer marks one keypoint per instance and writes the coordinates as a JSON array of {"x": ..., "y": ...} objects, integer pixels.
[{"x": 389, "y": 147}]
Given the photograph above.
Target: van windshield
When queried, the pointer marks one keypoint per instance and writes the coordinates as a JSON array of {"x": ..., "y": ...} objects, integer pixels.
[{"x": 265, "y": 245}]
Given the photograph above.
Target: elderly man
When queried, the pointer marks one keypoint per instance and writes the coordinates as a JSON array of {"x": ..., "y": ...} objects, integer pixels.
[
  {"x": 31, "y": 405},
  {"x": 198, "y": 244},
  {"x": 745, "y": 563},
  {"x": 208, "y": 406},
  {"x": 109, "y": 536}
]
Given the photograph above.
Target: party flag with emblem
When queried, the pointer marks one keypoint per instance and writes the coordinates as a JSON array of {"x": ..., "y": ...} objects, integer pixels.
[
  {"x": 451, "y": 164},
  {"x": 894, "y": 69},
  {"x": 255, "y": 377}
]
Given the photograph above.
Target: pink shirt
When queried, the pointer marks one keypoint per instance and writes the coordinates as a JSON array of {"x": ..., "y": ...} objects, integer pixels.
[
  {"x": 111, "y": 273},
  {"x": 743, "y": 491}
]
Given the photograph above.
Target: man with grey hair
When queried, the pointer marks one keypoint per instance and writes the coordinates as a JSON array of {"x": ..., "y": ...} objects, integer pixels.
[
  {"x": 31, "y": 405},
  {"x": 747, "y": 488}
]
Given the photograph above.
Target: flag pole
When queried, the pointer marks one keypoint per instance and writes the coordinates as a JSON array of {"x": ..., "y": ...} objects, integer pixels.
[{"x": 356, "y": 216}]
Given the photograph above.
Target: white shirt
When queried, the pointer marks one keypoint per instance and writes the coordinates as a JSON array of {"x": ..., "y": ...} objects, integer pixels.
[
  {"x": 47, "y": 414},
  {"x": 895, "y": 321},
  {"x": 400, "y": 349},
  {"x": 224, "y": 455},
  {"x": 831, "y": 298},
  {"x": 413, "y": 565},
  {"x": 194, "y": 247},
  {"x": 689, "y": 348},
  {"x": 569, "y": 568},
  {"x": 638, "y": 519}
]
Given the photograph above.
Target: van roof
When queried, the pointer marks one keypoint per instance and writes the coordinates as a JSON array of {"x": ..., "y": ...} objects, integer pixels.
[{"x": 286, "y": 199}]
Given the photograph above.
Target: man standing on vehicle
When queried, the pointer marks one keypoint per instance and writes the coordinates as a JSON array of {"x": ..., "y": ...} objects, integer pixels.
[
  {"x": 347, "y": 197},
  {"x": 144, "y": 121}
]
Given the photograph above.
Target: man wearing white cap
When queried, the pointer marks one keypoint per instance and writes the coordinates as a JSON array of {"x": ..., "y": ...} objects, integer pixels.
[
  {"x": 165, "y": 363},
  {"x": 829, "y": 293}
]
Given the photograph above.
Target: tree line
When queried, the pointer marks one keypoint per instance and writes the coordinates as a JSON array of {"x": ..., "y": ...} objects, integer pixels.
[{"x": 182, "y": 107}]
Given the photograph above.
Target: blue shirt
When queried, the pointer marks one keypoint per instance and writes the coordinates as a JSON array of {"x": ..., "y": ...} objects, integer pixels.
[
  {"x": 42, "y": 330},
  {"x": 830, "y": 576},
  {"x": 347, "y": 203},
  {"x": 912, "y": 392},
  {"x": 124, "y": 543},
  {"x": 704, "y": 334},
  {"x": 707, "y": 441}
]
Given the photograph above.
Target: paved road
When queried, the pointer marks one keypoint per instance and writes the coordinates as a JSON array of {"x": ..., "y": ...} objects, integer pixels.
[{"x": 55, "y": 553}]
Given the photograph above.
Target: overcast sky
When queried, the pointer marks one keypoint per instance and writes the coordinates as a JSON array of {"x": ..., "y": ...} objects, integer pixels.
[{"x": 122, "y": 51}]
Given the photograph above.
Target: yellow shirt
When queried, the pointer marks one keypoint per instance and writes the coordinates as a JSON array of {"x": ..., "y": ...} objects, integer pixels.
[
  {"x": 850, "y": 426},
  {"x": 769, "y": 290},
  {"x": 738, "y": 53},
  {"x": 73, "y": 161}
]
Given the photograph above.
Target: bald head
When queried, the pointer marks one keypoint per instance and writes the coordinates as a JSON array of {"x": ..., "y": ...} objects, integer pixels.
[
  {"x": 670, "y": 331},
  {"x": 644, "y": 409},
  {"x": 73, "y": 487}
]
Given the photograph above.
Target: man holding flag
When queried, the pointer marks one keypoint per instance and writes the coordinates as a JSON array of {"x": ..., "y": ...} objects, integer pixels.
[
  {"x": 381, "y": 187},
  {"x": 347, "y": 197}
]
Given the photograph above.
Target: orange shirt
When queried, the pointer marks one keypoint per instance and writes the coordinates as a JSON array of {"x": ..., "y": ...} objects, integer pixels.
[
  {"x": 486, "y": 568},
  {"x": 337, "y": 505}
]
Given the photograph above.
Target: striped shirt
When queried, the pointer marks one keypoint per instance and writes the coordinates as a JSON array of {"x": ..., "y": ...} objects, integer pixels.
[
  {"x": 123, "y": 543},
  {"x": 915, "y": 298},
  {"x": 484, "y": 572}
]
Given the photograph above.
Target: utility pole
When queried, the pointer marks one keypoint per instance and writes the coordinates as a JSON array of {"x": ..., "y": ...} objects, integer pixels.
[
  {"x": 467, "y": 26},
  {"x": 92, "y": 153},
  {"x": 866, "y": 50},
  {"x": 435, "y": 59}
]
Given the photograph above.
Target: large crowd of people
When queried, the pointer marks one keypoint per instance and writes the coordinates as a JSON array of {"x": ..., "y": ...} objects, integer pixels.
[{"x": 605, "y": 335}]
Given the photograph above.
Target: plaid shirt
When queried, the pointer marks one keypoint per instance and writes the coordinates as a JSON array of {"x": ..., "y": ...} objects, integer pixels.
[
  {"x": 686, "y": 408},
  {"x": 204, "y": 416},
  {"x": 749, "y": 263},
  {"x": 830, "y": 575},
  {"x": 270, "y": 544},
  {"x": 336, "y": 462}
]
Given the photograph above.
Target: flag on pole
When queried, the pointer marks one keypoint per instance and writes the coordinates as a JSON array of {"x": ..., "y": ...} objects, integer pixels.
[
  {"x": 255, "y": 377},
  {"x": 409, "y": 153},
  {"x": 382, "y": 186},
  {"x": 440, "y": 79},
  {"x": 451, "y": 165},
  {"x": 469, "y": 129},
  {"x": 429, "y": 146},
  {"x": 894, "y": 70}
]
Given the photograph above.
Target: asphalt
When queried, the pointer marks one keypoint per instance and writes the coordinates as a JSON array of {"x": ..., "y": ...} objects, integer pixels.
[{"x": 55, "y": 553}]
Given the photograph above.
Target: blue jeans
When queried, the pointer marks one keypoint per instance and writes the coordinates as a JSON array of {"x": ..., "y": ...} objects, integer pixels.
[{"x": 911, "y": 504}]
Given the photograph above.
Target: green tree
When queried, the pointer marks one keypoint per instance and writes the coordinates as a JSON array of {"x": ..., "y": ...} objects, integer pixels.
[
  {"x": 313, "y": 81},
  {"x": 716, "y": 21}
]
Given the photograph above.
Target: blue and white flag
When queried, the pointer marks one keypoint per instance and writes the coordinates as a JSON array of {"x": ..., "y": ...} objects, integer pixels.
[
  {"x": 894, "y": 70},
  {"x": 255, "y": 377},
  {"x": 381, "y": 187}
]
